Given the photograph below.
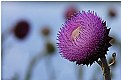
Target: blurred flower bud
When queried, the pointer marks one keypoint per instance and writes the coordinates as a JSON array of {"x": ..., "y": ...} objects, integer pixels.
[
  {"x": 21, "y": 29},
  {"x": 50, "y": 48},
  {"x": 112, "y": 12},
  {"x": 70, "y": 12},
  {"x": 45, "y": 31}
]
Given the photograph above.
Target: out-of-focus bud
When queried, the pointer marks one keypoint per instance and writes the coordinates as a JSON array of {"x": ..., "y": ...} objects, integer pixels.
[
  {"x": 50, "y": 48},
  {"x": 21, "y": 29},
  {"x": 70, "y": 12},
  {"x": 45, "y": 31},
  {"x": 112, "y": 12}
]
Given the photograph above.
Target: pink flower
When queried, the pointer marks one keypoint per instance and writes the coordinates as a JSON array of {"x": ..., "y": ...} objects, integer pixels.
[{"x": 84, "y": 38}]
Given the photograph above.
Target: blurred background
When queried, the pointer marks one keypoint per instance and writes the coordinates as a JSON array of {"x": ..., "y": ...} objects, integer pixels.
[{"x": 29, "y": 32}]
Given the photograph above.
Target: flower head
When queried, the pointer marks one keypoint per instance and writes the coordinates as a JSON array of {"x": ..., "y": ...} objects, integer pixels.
[{"x": 84, "y": 38}]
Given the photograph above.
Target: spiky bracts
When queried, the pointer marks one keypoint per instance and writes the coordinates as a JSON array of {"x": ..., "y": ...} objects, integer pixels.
[{"x": 84, "y": 38}]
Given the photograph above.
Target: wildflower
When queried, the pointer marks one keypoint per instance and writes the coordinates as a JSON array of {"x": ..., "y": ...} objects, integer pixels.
[{"x": 84, "y": 38}]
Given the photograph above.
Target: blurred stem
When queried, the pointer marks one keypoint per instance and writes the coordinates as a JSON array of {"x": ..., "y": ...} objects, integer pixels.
[
  {"x": 96, "y": 74},
  {"x": 49, "y": 68},
  {"x": 80, "y": 73},
  {"x": 4, "y": 35},
  {"x": 32, "y": 64},
  {"x": 105, "y": 69}
]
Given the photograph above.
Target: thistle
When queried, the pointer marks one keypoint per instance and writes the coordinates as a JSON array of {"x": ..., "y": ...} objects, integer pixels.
[{"x": 84, "y": 39}]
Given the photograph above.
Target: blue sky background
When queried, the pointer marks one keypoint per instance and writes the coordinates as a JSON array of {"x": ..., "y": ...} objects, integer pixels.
[{"x": 19, "y": 53}]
